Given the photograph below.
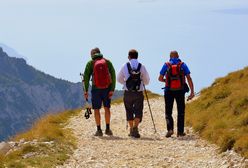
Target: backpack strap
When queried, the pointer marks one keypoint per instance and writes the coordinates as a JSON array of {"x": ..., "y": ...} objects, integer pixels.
[
  {"x": 179, "y": 68},
  {"x": 167, "y": 82},
  {"x": 169, "y": 72},
  {"x": 180, "y": 64},
  {"x": 129, "y": 68},
  {"x": 168, "y": 64},
  {"x": 139, "y": 67},
  {"x": 181, "y": 72}
]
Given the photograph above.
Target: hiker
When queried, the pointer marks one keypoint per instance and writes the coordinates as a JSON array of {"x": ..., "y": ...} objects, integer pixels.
[
  {"x": 174, "y": 72},
  {"x": 133, "y": 76},
  {"x": 103, "y": 86}
]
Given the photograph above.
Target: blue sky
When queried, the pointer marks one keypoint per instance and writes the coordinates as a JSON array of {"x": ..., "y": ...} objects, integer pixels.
[{"x": 56, "y": 36}]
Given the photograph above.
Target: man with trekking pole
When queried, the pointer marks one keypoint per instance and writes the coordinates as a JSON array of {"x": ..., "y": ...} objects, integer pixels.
[
  {"x": 175, "y": 72},
  {"x": 133, "y": 75},
  {"x": 103, "y": 85}
]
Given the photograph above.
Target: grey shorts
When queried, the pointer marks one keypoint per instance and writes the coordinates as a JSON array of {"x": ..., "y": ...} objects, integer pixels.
[{"x": 134, "y": 103}]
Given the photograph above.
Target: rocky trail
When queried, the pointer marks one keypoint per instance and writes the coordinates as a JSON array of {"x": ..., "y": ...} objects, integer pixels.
[{"x": 151, "y": 150}]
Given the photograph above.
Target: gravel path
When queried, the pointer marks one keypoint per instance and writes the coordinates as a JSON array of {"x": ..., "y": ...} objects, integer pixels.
[{"x": 151, "y": 150}]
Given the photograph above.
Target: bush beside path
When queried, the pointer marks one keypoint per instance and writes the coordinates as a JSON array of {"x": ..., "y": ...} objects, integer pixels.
[{"x": 151, "y": 150}]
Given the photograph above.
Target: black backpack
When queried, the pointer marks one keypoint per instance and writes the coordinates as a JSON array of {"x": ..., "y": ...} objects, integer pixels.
[{"x": 134, "y": 80}]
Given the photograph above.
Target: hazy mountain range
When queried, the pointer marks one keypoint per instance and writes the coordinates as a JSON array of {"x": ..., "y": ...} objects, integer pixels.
[{"x": 26, "y": 94}]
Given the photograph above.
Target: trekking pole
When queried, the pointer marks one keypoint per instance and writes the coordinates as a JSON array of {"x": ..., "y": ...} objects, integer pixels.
[
  {"x": 149, "y": 107},
  {"x": 198, "y": 93},
  {"x": 88, "y": 108}
]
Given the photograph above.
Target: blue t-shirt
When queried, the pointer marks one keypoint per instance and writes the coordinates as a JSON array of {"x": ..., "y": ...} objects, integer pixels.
[{"x": 174, "y": 61}]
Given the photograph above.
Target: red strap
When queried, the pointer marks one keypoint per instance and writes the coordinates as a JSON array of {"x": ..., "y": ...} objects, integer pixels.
[
  {"x": 168, "y": 64},
  {"x": 180, "y": 64}
]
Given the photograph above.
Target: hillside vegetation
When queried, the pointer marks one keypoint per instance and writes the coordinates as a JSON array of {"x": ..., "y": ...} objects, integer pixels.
[
  {"x": 47, "y": 144},
  {"x": 220, "y": 114}
]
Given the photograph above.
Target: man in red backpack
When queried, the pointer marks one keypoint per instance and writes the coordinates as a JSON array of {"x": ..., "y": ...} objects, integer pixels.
[
  {"x": 103, "y": 85},
  {"x": 175, "y": 72}
]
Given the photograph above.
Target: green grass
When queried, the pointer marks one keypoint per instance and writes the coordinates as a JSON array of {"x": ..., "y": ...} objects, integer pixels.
[
  {"x": 220, "y": 114},
  {"x": 49, "y": 128}
]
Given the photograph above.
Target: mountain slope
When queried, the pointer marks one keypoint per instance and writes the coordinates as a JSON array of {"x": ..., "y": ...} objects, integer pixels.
[
  {"x": 221, "y": 113},
  {"x": 11, "y": 52},
  {"x": 26, "y": 94}
]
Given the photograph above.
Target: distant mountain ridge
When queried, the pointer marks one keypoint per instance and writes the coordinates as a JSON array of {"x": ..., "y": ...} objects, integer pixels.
[
  {"x": 26, "y": 94},
  {"x": 11, "y": 52}
]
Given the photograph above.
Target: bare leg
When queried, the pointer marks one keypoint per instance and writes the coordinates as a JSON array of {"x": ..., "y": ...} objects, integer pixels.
[
  {"x": 130, "y": 124},
  {"x": 136, "y": 122},
  {"x": 135, "y": 128},
  {"x": 107, "y": 115},
  {"x": 98, "y": 122},
  {"x": 107, "y": 120},
  {"x": 97, "y": 117}
]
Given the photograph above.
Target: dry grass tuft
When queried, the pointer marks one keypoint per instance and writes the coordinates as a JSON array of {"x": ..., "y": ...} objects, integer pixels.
[
  {"x": 221, "y": 113},
  {"x": 49, "y": 128}
]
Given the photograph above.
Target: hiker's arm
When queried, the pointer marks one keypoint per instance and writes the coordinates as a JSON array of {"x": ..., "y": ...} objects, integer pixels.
[
  {"x": 121, "y": 76},
  {"x": 162, "y": 73},
  {"x": 145, "y": 76},
  {"x": 161, "y": 78},
  {"x": 87, "y": 74},
  {"x": 113, "y": 76},
  {"x": 191, "y": 86}
]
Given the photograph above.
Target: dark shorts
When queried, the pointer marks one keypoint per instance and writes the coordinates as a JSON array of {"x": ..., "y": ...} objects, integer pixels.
[
  {"x": 134, "y": 103},
  {"x": 99, "y": 97}
]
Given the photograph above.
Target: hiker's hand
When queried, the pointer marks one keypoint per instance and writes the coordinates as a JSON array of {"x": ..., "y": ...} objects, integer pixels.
[
  {"x": 86, "y": 95},
  {"x": 191, "y": 96},
  {"x": 110, "y": 94}
]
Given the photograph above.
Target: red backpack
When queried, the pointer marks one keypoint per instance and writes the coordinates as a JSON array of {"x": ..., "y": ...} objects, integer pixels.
[
  {"x": 101, "y": 75},
  {"x": 175, "y": 78}
]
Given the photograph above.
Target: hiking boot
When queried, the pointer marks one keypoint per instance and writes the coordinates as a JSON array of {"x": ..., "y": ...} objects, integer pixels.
[
  {"x": 108, "y": 132},
  {"x": 135, "y": 133},
  {"x": 98, "y": 133},
  {"x": 179, "y": 134},
  {"x": 169, "y": 133}
]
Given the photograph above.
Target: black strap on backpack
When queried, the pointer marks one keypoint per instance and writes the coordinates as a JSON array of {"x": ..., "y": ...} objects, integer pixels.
[
  {"x": 130, "y": 69},
  {"x": 134, "y": 81}
]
